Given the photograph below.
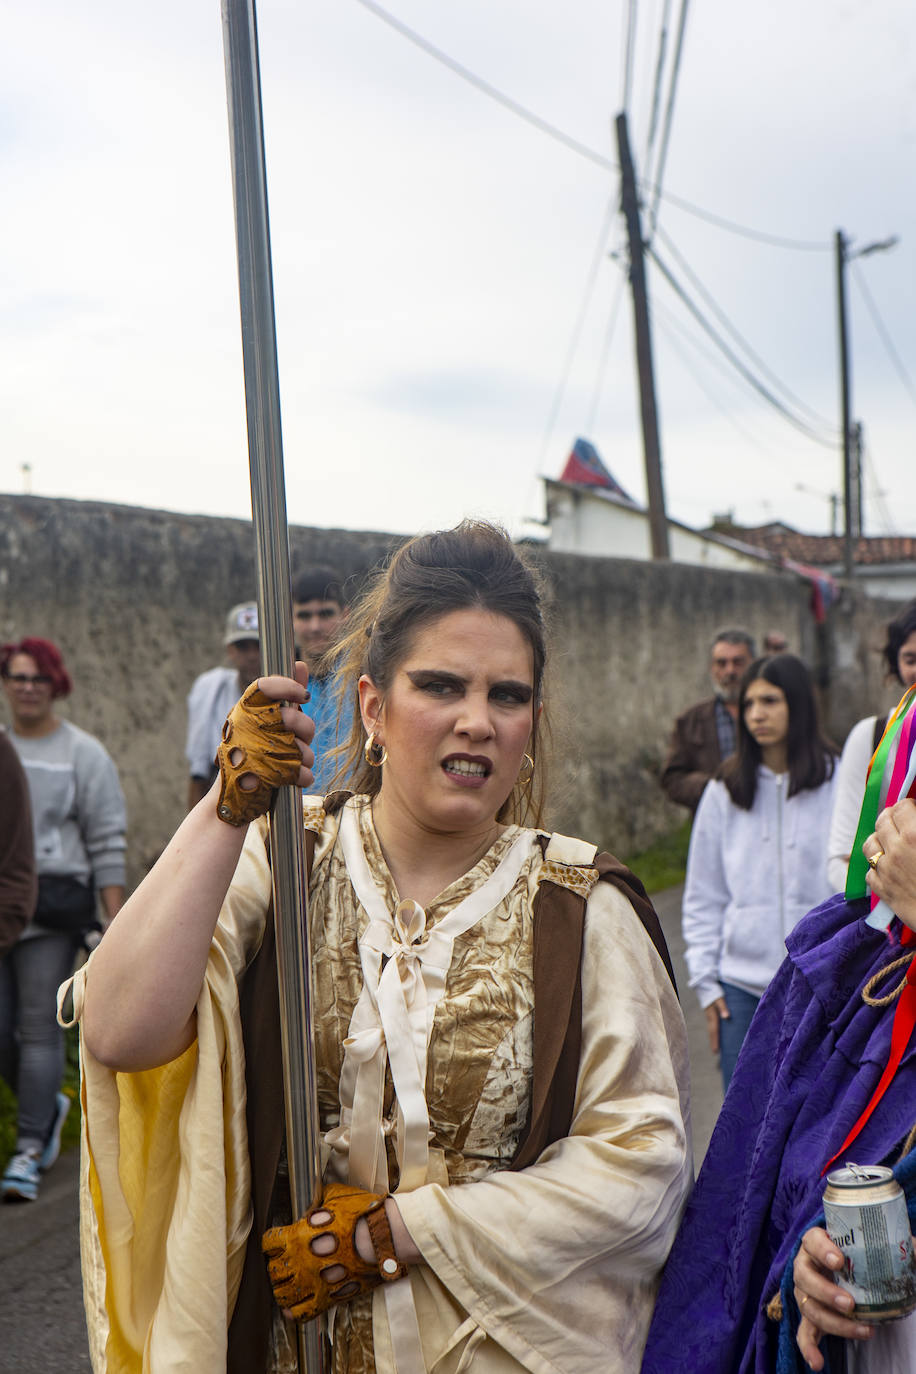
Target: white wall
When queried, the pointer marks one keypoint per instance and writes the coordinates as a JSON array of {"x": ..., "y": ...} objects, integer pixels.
[{"x": 583, "y": 523}]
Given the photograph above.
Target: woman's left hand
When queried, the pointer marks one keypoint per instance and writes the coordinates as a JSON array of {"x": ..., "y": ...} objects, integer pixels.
[
  {"x": 892, "y": 848},
  {"x": 332, "y": 1254},
  {"x": 825, "y": 1308}
]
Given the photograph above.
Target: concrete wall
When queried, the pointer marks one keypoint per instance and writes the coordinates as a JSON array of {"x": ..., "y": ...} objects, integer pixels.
[{"x": 136, "y": 600}]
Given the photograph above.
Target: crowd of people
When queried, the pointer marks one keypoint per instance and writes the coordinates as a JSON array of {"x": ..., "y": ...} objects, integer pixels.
[{"x": 501, "y": 1057}]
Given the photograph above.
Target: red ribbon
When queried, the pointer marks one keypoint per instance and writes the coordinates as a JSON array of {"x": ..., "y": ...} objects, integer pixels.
[{"x": 904, "y": 1021}]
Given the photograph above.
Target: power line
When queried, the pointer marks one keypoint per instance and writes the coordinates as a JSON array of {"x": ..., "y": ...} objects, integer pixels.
[
  {"x": 601, "y": 370},
  {"x": 657, "y": 87},
  {"x": 774, "y": 240},
  {"x": 629, "y": 44},
  {"x": 738, "y": 337},
  {"x": 670, "y": 325},
  {"x": 467, "y": 75},
  {"x": 574, "y": 144},
  {"x": 876, "y": 492},
  {"x": 882, "y": 332},
  {"x": 669, "y": 112},
  {"x": 597, "y": 259},
  {"x": 737, "y": 363}
]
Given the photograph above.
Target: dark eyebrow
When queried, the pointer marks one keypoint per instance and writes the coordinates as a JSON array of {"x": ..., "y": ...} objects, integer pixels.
[
  {"x": 421, "y": 676},
  {"x": 524, "y": 690}
]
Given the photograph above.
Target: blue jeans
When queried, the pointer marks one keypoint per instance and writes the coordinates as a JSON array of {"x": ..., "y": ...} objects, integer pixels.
[
  {"x": 742, "y": 1006},
  {"x": 31, "y": 1041}
]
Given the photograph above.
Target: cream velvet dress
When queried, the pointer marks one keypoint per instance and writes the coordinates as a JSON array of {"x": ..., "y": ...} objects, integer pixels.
[{"x": 424, "y": 1049}]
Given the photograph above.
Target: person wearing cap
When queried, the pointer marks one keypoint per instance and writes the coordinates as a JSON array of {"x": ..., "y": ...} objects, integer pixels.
[{"x": 216, "y": 691}]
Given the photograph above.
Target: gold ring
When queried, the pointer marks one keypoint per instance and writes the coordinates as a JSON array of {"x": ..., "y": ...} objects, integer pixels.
[
  {"x": 803, "y": 1300},
  {"x": 872, "y": 860}
]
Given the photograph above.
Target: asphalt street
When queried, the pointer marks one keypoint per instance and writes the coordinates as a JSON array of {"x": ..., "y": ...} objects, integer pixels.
[
  {"x": 42, "y": 1328},
  {"x": 705, "y": 1082}
]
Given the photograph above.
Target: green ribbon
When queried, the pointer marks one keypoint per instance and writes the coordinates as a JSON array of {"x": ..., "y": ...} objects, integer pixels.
[{"x": 856, "y": 885}]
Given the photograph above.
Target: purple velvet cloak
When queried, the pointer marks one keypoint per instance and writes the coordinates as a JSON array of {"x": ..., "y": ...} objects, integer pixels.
[{"x": 811, "y": 1061}]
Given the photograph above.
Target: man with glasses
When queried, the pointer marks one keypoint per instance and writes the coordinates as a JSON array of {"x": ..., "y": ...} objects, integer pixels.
[
  {"x": 705, "y": 734},
  {"x": 215, "y": 692}
]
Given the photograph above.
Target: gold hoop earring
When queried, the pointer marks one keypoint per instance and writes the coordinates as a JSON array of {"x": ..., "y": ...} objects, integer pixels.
[
  {"x": 523, "y": 782},
  {"x": 375, "y": 754}
]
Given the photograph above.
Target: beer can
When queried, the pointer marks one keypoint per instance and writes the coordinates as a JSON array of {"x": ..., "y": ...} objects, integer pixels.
[{"x": 866, "y": 1219}]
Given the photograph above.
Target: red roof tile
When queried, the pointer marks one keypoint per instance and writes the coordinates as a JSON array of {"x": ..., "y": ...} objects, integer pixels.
[{"x": 824, "y": 550}]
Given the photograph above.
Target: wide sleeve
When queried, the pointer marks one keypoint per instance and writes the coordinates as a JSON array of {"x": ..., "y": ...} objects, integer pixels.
[
  {"x": 165, "y": 1206},
  {"x": 101, "y": 811},
  {"x": 847, "y": 803},
  {"x": 558, "y": 1263},
  {"x": 706, "y": 894},
  {"x": 17, "y": 848}
]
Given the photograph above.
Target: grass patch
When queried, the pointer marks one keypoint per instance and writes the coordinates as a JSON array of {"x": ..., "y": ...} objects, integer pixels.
[
  {"x": 664, "y": 863},
  {"x": 70, "y": 1085}
]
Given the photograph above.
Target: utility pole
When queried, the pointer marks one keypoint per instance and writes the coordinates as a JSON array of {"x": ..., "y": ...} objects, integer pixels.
[
  {"x": 629, "y": 205},
  {"x": 844, "y": 400},
  {"x": 852, "y": 435},
  {"x": 857, "y": 449}
]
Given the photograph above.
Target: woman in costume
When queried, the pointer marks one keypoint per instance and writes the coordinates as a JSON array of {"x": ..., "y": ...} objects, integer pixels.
[
  {"x": 827, "y": 1076},
  {"x": 825, "y": 1309},
  {"x": 756, "y": 862},
  {"x": 78, "y": 821},
  {"x": 501, "y": 1057},
  {"x": 899, "y": 654}
]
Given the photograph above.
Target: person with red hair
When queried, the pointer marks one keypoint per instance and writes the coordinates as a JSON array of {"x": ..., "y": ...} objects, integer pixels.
[{"x": 79, "y": 821}]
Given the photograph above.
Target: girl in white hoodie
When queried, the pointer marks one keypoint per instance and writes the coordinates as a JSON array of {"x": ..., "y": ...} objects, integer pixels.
[{"x": 757, "y": 860}]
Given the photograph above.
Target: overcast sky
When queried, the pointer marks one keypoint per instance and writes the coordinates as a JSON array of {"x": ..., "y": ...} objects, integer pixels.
[{"x": 449, "y": 311}]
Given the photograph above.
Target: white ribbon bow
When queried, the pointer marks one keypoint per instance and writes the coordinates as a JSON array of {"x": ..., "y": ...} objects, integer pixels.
[{"x": 405, "y": 963}]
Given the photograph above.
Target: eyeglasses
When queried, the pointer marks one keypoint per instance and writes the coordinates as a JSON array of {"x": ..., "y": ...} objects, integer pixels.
[{"x": 28, "y": 680}]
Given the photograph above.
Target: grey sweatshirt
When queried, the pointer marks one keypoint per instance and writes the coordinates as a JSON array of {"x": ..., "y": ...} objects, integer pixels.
[{"x": 78, "y": 811}]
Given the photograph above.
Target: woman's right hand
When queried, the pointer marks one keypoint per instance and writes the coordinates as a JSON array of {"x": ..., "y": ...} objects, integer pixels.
[
  {"x": 299, "y": 723},
  {"x": 892, "y": 847},
  {"x": 826, "y": 1309},
  {"x": 716, "y": 1011},
  {"x": 265, "y": 745}
]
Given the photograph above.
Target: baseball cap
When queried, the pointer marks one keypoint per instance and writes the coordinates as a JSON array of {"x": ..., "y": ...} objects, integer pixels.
[{"x": 242, "y": 623}]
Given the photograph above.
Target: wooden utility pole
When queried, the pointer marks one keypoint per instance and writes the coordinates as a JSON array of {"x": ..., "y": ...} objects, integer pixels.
[
  {"x": 852, "y": 434},
  {"x": 857, "y": 446},
  {"x": 844, "y": 401},
  {"x": 629, "y": 204}
]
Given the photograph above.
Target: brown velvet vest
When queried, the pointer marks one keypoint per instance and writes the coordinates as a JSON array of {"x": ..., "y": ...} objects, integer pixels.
[{"x": 559, "y": 923}]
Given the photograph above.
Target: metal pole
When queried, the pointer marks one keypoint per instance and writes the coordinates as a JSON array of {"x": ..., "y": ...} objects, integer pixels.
[{"x": 268, "y": 504}]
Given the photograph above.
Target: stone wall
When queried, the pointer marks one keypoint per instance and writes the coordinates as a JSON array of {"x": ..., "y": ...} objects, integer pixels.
[{"x": 136, "y": 600}]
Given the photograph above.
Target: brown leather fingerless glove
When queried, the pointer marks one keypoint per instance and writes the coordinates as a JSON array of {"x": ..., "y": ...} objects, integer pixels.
[
  {"x": 298, "y": 1275},
  {"x": 255, "y": 741}
]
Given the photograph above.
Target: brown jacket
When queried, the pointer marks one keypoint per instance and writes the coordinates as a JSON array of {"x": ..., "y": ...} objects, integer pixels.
[
  {"x": 693, "y": 755},
  {"x": 18, "y": 885},
  {"x": 559, "y": 923}
]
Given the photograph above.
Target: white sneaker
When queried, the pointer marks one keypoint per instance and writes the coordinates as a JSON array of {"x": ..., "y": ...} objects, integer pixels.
[
  {"x": 52, "y": 1148},
  {"x": 20, "y": 1182}
]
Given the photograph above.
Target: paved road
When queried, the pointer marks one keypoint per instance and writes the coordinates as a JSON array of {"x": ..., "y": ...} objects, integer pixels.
[
  {"x": 42, "y": 1329},
  {"x": 705, "y": 1082}
]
